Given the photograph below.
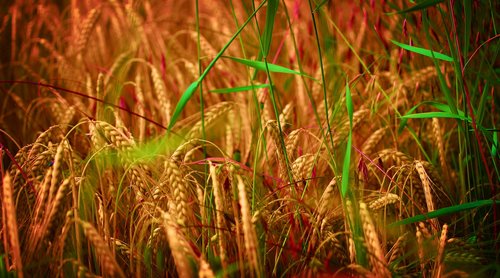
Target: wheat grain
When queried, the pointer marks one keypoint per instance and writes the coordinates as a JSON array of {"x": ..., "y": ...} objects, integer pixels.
[
  {"x": 180, "y": 190},
  {"x": 108, "y": 262},
  {"x": 420, "y": 249},
  {"x": 86, "y": 30},
  {"x": 219, "y": 209},
  {"x": 377, "y": 258},
  {"x": 58, "y": 158},
  {"x": 397, "y": 249},
  {"x": 436, "y": 129},
  {"x": 438, "y": 267},
  {"x": 383, "y": 201},
  {"x": 163, "y": 101},
  {"x": 286, "y": 115},
  {"x": 248, "y": 228},
  {"x": 211, "y": 115},
  {"x": 291, "y": 143},
  {"x": 11, "y": 222},
  {"x": 373, "y": 140},
  {"x": 326, "y": 198},
  {"x": 178, "y": 245},
  {"x": 426, "y": 185},
  {"x": 302, "y": 167},
  {"x": 140, "y": 107},
  {"x": 205, "y": 270}
]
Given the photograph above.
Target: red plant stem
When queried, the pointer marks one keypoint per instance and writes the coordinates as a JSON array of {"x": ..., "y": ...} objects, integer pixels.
[
  {"x": 13, "y": 159},
  {"x": 82, "y": 95},
  {"x": 474, "y": 126}
]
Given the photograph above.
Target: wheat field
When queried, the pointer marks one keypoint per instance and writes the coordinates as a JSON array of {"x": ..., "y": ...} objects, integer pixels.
[{"x": 293, "y": 138}]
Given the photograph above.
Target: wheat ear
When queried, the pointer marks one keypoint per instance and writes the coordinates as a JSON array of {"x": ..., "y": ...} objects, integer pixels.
[
  {"x": 377, "y": 258},
  {"x": 109, "y": 265},
  {"x": 438, "y": 267},
  {"x": 178, "y": 245},
  {"x": 219, "y": 209},
  {"x": 11, "y": 221},
  {"x": 248, "y": 228}
]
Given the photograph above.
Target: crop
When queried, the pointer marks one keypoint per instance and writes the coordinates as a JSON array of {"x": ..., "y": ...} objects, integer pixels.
[{"x": 249, "y": 138}]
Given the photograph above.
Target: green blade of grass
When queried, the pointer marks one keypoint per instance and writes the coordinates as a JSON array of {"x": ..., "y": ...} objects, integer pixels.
[
  {"x": 428, "y": 115},
  {"x": 494, "y": 147},
  {"x": 182, "y": 102},
  {"x": 267, "y": 36},
  {"x": 262, "y": 66},
  {"x": 424, "y": 52},
  {"x": 443, "y": 211},
  {"x": 347, "y": 159},
  {"x": 420, "y": 6},
  {"x": 239, "y": 89},
  {"x": 441, "y": 106},
  {"x": 192, "y": 88}
]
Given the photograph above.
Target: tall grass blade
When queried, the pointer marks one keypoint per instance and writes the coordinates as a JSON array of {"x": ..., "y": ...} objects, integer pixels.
[
  {"x": 347, "y": 159},
  {"x": 267, "y": 36},
  {"x": 182, "y": 103},
  {"x": 262, "y": 66},
  {"x": 424, "y": 52},
  {"x": 192, "y": 88},
  {"x": 443, "y": 211},
  {"x": 239, "y": 89},
  {"x": 420, "y": 6}
]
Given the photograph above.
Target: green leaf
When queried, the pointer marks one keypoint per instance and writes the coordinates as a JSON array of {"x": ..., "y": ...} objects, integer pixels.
[
  {"x": 423, "y": 51},
  {"x": 239, "y": 89},
  {"x": 428, "y": 115},
  {"x": 182, "y": 102},
  {"x": 267, "y": 36},
  {"x": 345, "y": 168},
  {"x": 494, "y": 147},
  {"x": 420, "y": 6},
  {"x": 192, "y": 88},
  {"x": 348, "y": 103},
  {"x": 262, "y": 66},
  {"x": 442, "y": 212},
  {"x": 440, "y": 106},
  {"x": 347, "y": 159}
]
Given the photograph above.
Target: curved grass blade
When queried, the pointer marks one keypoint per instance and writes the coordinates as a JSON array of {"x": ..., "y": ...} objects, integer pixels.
[
  {"x": 239, "y": 89},
  {"x": 347, "y": 159},
  {"x": 443, "y": 211},
  {"x": 192, "y": 88},
  {"x": 267, "y": 36},
  {"x": 182, "y": 102},
  {"x": 424, "y": 52},
  {"x": 494, "y": 147},
  {"x": 440, "y": 106},
  {"x": 262, "y": 66},
  {"x": 428, "y": 115},
  {"x": 420, "y": 6}
]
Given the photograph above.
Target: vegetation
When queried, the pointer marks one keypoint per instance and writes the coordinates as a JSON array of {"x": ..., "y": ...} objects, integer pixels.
[{"x": 249, "y": 138}]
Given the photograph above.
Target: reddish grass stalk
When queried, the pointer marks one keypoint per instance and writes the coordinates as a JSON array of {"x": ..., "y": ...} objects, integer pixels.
[
  {"x": 474, "y": 125},
  {"x": 83, "y": 95}
]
